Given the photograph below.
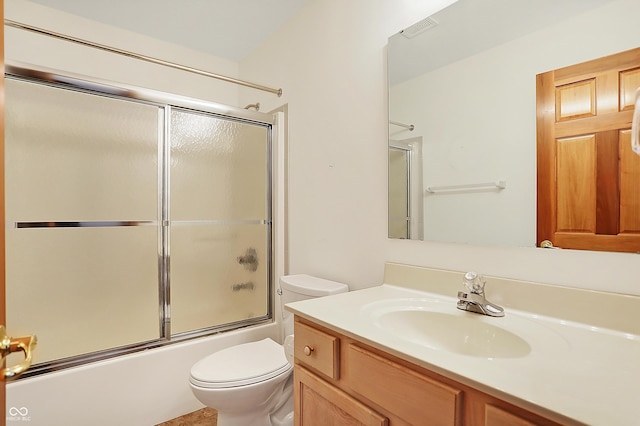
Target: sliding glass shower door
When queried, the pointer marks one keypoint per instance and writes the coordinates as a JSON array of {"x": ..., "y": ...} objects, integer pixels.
[
  {"x": 131, "y": 223},
  {"x": 80, "y": 169},
  {"x": 220, "y": 221}
]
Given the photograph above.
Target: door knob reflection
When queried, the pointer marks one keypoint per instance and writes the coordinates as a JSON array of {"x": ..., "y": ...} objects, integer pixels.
[{"x": 548, "y": 244}]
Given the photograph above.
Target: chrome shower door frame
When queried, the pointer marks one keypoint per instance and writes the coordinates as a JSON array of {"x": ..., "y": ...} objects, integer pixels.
[{"x": 165, "y": 102}]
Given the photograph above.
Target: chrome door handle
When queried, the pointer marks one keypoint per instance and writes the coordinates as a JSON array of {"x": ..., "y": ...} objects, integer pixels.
[{"x": 19, "y": 344}]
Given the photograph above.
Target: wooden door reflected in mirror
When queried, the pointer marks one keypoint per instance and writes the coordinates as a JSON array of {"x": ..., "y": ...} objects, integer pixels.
[{"x": 588, "y": 175}]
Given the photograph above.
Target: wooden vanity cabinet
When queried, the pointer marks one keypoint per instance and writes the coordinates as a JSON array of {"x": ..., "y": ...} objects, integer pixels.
[{"x": 341, "y": 381}]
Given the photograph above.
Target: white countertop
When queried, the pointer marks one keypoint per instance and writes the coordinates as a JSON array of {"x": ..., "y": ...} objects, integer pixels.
[{"x": 573, "y": 372}]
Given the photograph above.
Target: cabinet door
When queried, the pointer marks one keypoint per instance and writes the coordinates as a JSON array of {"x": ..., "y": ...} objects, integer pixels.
[
  {"x": 320, "y": 404},
  {"x": 413, "y": 397}
]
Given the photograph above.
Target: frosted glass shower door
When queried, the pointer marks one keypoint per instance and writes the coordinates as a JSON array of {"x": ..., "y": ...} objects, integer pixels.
[
  {"x": 82, "y": 214},
  {"x": 220, "y": 221},
  {"x": 399, "y": 192}
]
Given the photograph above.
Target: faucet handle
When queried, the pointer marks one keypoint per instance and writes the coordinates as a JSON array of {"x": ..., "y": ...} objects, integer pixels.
[{"x": 474, "y": 282}]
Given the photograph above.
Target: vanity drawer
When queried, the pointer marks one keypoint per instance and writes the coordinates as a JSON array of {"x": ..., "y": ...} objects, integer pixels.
[
  {"x": 415, "y": 398},
  {"x": 318, "y": 350}
]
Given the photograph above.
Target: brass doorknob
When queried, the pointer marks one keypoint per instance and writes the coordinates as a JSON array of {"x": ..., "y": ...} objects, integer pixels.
[{"x": 19, "y": 344}]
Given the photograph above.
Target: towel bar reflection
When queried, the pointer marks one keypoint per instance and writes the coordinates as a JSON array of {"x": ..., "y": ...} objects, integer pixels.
[
  {"x": 409, "y": 127},
  {"x": 499, "y": 185}
]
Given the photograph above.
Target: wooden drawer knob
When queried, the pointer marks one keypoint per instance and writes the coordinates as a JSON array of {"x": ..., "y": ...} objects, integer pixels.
[{"x": 307, "y": 350}]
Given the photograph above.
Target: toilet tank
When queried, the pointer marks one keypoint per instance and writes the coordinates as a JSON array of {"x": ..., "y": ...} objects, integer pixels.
[{"x": 301, "y": 287}]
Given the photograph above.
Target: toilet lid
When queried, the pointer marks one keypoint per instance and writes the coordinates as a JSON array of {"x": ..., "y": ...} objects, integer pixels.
[{"x": 241, "y": 365}]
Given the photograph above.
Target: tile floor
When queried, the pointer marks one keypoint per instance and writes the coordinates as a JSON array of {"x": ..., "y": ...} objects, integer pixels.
[{"x": 204, "y": 417}]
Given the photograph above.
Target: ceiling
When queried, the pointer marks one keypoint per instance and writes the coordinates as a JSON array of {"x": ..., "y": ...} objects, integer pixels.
[
  {"x": 471, "y": 26},
  {"x": 229, "y": 29}
]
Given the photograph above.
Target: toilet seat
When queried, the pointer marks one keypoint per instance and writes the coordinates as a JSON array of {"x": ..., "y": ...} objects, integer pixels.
[{"x": 241, "y": 365}]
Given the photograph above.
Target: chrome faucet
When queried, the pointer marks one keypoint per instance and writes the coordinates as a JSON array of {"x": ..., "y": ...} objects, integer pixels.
[{"x": 473, "y": 299}]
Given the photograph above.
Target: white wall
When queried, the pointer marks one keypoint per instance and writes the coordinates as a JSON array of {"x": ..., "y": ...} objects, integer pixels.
[{"x": 330, "y": 62}]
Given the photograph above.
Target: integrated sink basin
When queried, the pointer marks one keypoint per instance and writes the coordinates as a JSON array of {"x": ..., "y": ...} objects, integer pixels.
[
  {"x": 439, "y": 325},
  {"x": 454, "y": 333}
]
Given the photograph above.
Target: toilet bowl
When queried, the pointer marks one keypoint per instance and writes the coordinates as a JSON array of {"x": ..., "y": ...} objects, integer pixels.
[
  {"x": 251, "y": 384},
  {"x": 245, "y": 383}
]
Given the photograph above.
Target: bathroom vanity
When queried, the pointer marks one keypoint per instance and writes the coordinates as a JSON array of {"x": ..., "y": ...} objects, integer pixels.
[
  {"x": 345, "y": 381},
  {"x": 394, "y": 355}
]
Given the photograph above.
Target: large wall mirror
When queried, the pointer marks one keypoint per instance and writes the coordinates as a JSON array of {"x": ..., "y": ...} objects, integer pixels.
[{"x": 462, "y": 110}]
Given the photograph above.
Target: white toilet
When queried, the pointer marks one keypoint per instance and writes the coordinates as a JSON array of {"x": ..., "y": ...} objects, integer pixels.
[{"x": 252, "y": 384}]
